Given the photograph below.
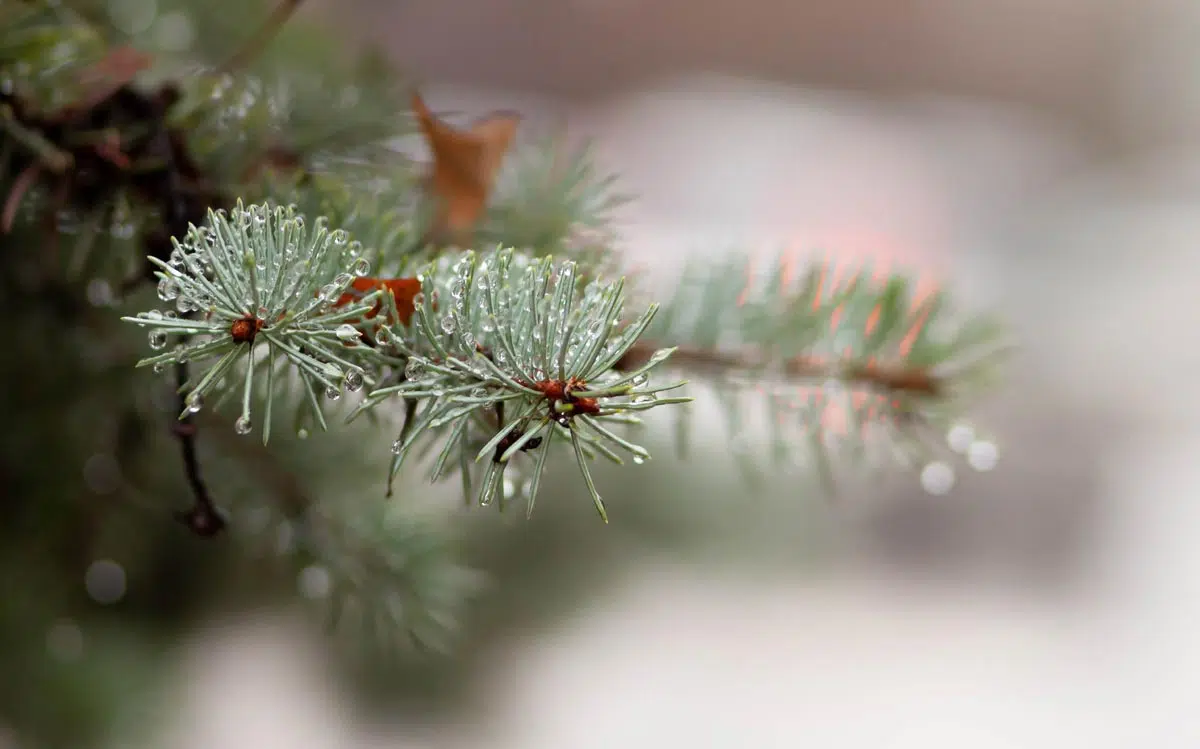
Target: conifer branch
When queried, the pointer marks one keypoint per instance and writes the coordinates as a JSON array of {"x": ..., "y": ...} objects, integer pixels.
[
  {"x": 319, "y": 286},
  {"x": 261, "y": 278},
  {"x": 859, "y": 362},
  {"x": 518, "y": 336},
  {"x": 884, "y": 379}
]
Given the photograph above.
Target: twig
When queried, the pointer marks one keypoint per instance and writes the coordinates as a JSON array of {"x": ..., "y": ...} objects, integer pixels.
[
  {"x": 20, "y": 186},
  {"x": 203, "y": 519},
  {"x": 51, "y": 156},
  {"x": 256, "y": 43},
  {"x": 112, "y": 73},
  {"x": 910, "y": 380},
  {"x": 282, "y": 483}
]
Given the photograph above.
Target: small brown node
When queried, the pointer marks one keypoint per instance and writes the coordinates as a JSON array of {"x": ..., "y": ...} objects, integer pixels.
[
  {"x": 245, "y": 329},
  {"x": 561, "y": 392}
]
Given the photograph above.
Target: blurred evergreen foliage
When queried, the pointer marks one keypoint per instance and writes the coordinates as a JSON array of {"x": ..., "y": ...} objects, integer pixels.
[{"x": 90, "y": 468}]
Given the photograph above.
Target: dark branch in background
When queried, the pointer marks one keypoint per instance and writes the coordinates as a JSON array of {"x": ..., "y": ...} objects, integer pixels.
[
  {"x": 116, "y": 140},
  {"x": 883, "y": 379},
  {"x": 254, "y": 46},
  {"x": 203, "y": 519}
]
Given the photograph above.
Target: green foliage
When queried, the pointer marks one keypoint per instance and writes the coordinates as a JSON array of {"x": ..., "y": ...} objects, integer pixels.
[
  {"x": 256, "y": 199},
  {"x": 263, "y": 277},
  {"x": 519, "y": 337},
  {"x": 863, "y": 364}
]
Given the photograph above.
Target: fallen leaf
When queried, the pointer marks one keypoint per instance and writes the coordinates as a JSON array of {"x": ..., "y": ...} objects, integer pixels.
[
  {"x": 465, "y": 164},
  {"x": 403, "y": 290}
]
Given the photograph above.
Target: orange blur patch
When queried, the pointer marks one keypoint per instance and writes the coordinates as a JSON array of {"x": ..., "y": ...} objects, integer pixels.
[
  {"x": 465, "y": 164},
  {"x": 403, "y": 290}
]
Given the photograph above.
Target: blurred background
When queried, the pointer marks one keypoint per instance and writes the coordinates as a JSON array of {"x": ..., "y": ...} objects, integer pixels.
[{"x": 1041, "y": 158}]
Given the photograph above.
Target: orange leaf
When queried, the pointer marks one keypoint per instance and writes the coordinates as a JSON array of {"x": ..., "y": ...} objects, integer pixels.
[
  {"x": 403, "y": 290},
  {"x": 465, "y": 163}
]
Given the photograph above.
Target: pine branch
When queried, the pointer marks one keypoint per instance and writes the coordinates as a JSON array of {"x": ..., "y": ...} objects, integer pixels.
[
  {"x": 262, "y": 278},
  {"x": 316, "y": 285},
  {"x": 518, "y": 337},
  {"x": 883, "y": 379},
  {"x": 863, "y": 364}
]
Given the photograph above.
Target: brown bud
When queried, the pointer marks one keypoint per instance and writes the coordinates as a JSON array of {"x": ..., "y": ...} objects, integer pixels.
[{"x": 244, "y": 330}]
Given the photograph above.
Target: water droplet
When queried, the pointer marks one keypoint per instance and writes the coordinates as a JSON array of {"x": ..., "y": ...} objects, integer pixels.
[
  {"x": 333, "y": 393},
  {"x": 413, "y": 369},
  {"x": 302, "y": 433},
  {"x": 489, "y": 324},
  {"x": 638, "y": 459},
  {"x": 159, "y": 367},
  {"x": 64, "y": 641},
  {"x": 158, "y": 339},
  {"x": 361, "y": 267},
  {"x": 243, "y": 425},
  {"x": 983, "y": 455},
  {"x": 449, "y": 324},
  {"x": 644, "y": 398},
  {"x": 397, "y": 447},
  {"x": 510, "y": 489},
  {"x": 105, "y": 581},
  {"x": 418, "y": 299},
  {"x": 937, "y": 478},
  {"x": 353, "y": 380},
  {"x": 640, "y": 380},
  {"x": 154, "y": 315},
  {"x": 314, "y": 582},
  {"x": 339, "y": 237},
  {"x": 194, "y": 401},
  {"x": 960, "y": 437},
  {"x": 342, "y": 280},
  {"x": 347, "y": 332},
  {"x": 383, "y": 336},
  {"x": 479, "y": 392},
  {"x": 99, "y": 292},
  {"x": 102, "y": 474},
  {"x": 168, "y": 290}
]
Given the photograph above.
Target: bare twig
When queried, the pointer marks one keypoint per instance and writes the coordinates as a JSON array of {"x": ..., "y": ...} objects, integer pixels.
[
  {"x": 203, "y": 519},
  {"x": 259, "y": 40},
  {"x": 879, "y": 377},
  {"x": 20, "y": 186},
  {"x": 282, "y": 483},
  {"x": 51, "y": 156}
]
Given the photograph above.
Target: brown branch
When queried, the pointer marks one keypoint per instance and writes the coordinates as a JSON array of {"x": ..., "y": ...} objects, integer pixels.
[
  {"x": 262, "y": 37},
  {"x": 20, "y": 186},
  {"x": 50, "y": 155},
  {"x": 203, "y": 519},
  {"x": 281, "y": 482},
  {"x": 890, "y": 379}
]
